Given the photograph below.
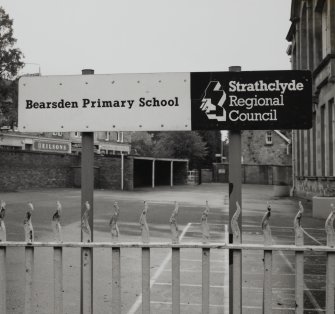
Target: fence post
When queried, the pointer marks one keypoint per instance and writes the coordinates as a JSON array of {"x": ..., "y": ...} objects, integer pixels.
[
  {"x": 299, "y": 262},
  {"x": 205, "y": 261},
  {"x": 86, "y": 264},
  {"x": 3, "y": 276},
  {"x": 267, "y": 282},
  {"x": 29, "y": 275},
  {"x": 330, "y": 277},
  {"x": 235, "y": 281},
  {"x": 145, "y": 261},
  {"x": 58, "y": 261},
  {"x": 175, "y": 264},
  {"x": 116, "y": 279}
]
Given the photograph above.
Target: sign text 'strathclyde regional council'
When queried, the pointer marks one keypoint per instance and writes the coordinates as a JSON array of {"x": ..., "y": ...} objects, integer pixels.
[{"x": 166, "y": 101}]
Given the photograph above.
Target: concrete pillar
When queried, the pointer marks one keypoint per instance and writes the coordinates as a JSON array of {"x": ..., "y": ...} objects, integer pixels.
[
  {"x": 153, "y": 173},
  {"x": 171, "y": 174}
]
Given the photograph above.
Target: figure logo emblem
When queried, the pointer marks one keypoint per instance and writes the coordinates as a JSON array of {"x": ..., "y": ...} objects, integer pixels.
[{"x": 213, "y": 101}]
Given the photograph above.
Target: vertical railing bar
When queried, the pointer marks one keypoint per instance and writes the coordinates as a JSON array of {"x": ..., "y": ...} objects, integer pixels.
[
  {"x": 299, "y": 282},
  {"x": 175, "y": 280},
  {"x": 58, "y": 260},
  {"x": 330, "y": 283},
  {"x": 237, "y": 296},
  {"x": 267, "y": 282},
  {"x": 58, "y": 280},
  {"x": 146, "y": 280},
  {"x": 236, "y": 261},
  {"x": 299, "y": 262},
  {"x": 3, "y": 280},
  {"x": 205, "y": 280},
  {"x": 29, "y": 265},
  {"x": 87, "y": 280},
  {"x": 116, "y": 281},
  {"x": 330, "y": 277}
]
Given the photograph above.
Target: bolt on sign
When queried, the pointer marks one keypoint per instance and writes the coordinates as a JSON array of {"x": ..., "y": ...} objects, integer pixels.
[{"x": 166, "y": 101}]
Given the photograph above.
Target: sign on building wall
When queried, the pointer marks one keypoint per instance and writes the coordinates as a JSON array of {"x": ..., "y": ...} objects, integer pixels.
[
  {"x": 51, "y": 146},
  {"x": 166, "y": 101}
]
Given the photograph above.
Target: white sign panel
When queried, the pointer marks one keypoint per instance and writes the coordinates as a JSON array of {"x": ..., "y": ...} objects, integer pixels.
[{"x": 127, "y": 102}]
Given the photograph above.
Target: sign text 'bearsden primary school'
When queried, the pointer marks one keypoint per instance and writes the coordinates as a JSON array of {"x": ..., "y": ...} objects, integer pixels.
[
  {"x": 166, "y": 101},
  {"x": 99, "y": 103}
]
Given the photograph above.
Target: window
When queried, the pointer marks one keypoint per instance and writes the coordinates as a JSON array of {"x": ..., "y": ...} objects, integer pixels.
[
  {"x": 331, "y": 137},
  {"x": 57, "y": 133},
  {"x": 77, "y": 134},
  {"x": 325, "y": 30},
  {"x": 268, "y": 138},
  {"x": 119, "y": 137},
  {"x": 323, "y": 140},
  {"x": 107, "y": 136}
]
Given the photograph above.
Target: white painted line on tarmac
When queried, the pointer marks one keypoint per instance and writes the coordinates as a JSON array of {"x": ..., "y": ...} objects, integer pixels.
[
  {"x": 305, "y": 232},
  {"x": 158, "y": 272}
]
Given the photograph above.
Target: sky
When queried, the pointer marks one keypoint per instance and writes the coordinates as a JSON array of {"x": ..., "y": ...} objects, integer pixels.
[{"x": 144, "y": 36}]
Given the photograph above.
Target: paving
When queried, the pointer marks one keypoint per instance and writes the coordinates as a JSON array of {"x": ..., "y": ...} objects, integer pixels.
[{"x": 191, "y": 200}]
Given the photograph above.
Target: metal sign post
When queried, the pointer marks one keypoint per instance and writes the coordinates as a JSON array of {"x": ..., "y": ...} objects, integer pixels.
[
  {"x": 87, "y": 189},
  {"x": 235, "y": 196}
]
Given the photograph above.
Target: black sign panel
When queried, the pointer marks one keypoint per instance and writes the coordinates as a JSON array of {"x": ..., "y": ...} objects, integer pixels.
[{"x": 261, "y": 100}]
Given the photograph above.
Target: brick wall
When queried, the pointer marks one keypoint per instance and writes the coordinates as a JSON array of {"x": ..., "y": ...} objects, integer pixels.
[
  {"x": 25, "y": 170},
  {"x": 256, "y": 174},
  {"x": 256, "y": 152},
  {"x": 29, "y": 169}
]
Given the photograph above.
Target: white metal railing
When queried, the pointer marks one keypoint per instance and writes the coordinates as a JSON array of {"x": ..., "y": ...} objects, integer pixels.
[{"x": 146, "y": 247}]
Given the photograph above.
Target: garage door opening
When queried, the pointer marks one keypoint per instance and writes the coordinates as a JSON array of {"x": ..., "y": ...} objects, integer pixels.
[{"x": 152, "y": 172}]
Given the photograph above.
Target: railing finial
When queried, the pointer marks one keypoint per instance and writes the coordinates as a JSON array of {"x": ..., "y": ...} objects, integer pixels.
[
  {"x": 3, "y": 236},
  {"x": 113, "y": 222},
  {"x": 85, "y": 226},
  {"x": 144, "y": 224},
  {"x": 234, "y": 224},
  {"x": 28, "y": 225},
  {"x": 204, "y": 224},
  {"x": 55, "y": 223},
  {"x": 329, "y": 226},
  {"x": 299, "y": 231},
  {"x": 173, "y": 224},
  {"x": 266, "y": 226}
]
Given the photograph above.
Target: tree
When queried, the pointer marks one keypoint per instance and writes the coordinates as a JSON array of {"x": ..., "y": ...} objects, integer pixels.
[
  {"x": 142, "y": 143},
  {"x": 10, "y": 63},
  {"x": 212, "y": 139},
  {"x": 181, "y": 145}
]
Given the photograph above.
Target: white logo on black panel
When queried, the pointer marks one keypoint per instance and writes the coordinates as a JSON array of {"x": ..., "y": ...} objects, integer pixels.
[{"x": 213, "y": 101}]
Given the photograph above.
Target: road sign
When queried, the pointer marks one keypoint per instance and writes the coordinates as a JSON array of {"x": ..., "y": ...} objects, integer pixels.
[{"x": 166, "y": 101}]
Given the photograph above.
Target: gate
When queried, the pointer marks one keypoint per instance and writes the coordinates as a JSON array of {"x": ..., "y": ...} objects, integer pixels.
[{"x": 146, "y": 247}]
